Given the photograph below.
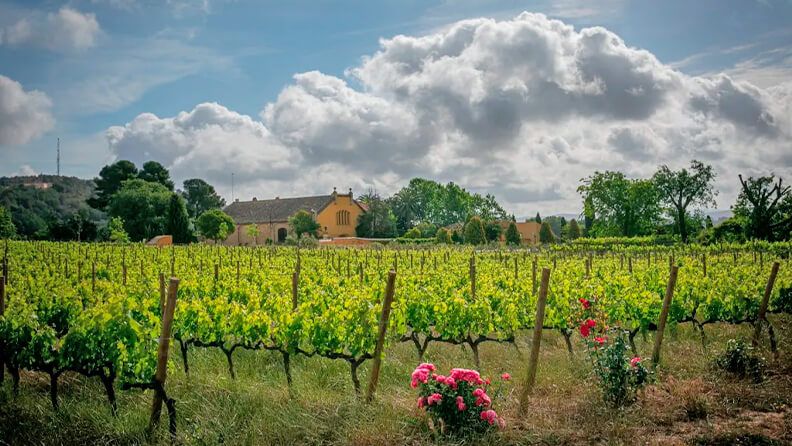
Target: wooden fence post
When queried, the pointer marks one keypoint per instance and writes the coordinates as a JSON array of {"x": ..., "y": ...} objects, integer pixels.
[
  {"x": 162, "y": 357},
  {"x": 533, "y": 360},
  {"x": 762, "y": 317},
  {"x": 664, "y": 314},
  {"x": 383, "y": 327}
]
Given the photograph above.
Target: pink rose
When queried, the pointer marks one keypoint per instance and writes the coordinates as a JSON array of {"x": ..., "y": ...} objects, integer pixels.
[
  {"x": 434, "y": 398},
  {"x": 460, "y": 402},
  {"x": 451, "y": 382},
  {"x": 426, "y": 366},
  {"x": 420, "y": 402},
  {"x": 635, "y": 361},
  {"x": 490, "y": 416},
  {"x": 505, "y": 377}
]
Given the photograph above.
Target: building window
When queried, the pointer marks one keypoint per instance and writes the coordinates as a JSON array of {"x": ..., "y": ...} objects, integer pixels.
[{"x": 342, "y": 218}]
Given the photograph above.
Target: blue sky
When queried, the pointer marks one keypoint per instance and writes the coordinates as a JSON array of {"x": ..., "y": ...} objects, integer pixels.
[{"x": 80, "y": 68}]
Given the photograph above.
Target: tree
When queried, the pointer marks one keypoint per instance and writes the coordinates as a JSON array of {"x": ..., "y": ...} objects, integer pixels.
[
  {"x": 7, "y": 228},
  {"x": 378, "y": 221},
  {"x": 573, "y": 230},
  {"x": 513, "y": 236},
  {"x": 201, "y": 197},
  {"x": 546, "y": 233},
  {"x": 538, "y": 218},
  {"x": 443, "y": 236},
  {"x": 215, "y": 224},
  {"x": 474, "y": 232},
  {"x": 252, "y": 231},
  {"x": 304, "y": 223},
  {"x": 557, "y": 224},
  {"x": 493, "y": 230},
  {"x": 154, "y": 172},
  {"x": 682, "y": 188},
  {"x": 178, "y": 224},
  {"x": 624, "y": 207},
  {"x": 143, "y": 206},
  {"x": 766, "y": 206},
  {"x": 413, "y": 233},
  {"x": 110, "y": 179},
  {"x": 588, "y": 216},
  {"x": 116, "y": 232}
]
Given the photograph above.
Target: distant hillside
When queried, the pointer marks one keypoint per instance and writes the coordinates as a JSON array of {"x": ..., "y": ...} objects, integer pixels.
[{"x": 43, "y": 206}]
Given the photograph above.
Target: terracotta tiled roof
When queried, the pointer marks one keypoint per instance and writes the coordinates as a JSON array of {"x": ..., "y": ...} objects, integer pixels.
[{"x": 275, "y": 210}]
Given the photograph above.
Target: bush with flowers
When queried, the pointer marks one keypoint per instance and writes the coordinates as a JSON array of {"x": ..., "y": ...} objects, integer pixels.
[
  {"x": 619, "y": 374},
  {"x": 458, "y": 402}
]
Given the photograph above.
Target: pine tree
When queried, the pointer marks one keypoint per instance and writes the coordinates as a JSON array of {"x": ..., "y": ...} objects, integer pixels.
[
  {"x": 474, "y": 232},
  {"x": 513, "y": 236},
  {"x": 546, "y": 234},
  {"x": 538, "y": 218},
  {"x": 178, "y": 221},
  {"x": 573, "y": 230}
]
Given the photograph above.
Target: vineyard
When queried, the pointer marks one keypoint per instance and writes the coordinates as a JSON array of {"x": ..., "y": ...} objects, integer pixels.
[{"x": 97, "y": 311}]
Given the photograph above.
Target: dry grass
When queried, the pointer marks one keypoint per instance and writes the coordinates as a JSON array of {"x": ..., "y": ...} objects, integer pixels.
[{"x": 690, "y": 403}]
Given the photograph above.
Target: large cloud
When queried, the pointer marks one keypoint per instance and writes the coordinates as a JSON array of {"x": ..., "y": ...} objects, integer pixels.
[
  {"x": 67, "y": 29},
  {"x": 521, "y": 108},
  {"x": 24, "y": 115}
]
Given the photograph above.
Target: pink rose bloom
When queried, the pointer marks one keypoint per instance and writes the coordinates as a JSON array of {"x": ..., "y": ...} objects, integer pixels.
[
  {"x": 487, "y": 381},
  {"x": 478, "y": 392},
  {"x": 600, "y": 340},
  {"x": 505, "y": 377},
  {"x": 426, "y": 366},
  {"x": 490, "y": 416},
  {"x": 451, "y": 382},
  {"x": 419, "y": 375},
  {"x": 482, "y": 399},
  {"x": 420, "y": 402},
  {"x": 440, "y": 378},
  {"x": 434, "y": 398},
  {"x": 635, "y": 361},
  {"x": 471, "y": 376},
  {"x": 460, "y": 403}
]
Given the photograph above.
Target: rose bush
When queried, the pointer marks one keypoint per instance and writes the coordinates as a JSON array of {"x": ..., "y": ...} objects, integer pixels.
[
  {"x": 619, "y": 374},
  {"x": 460, "y": 401}
]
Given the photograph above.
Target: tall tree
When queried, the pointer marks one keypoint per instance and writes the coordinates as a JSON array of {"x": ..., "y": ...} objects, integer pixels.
[
  {"x": 154, "y": 172},
  {"x": 215, "y": 224},
  {"x": 766, "y": 206},
  {"x": 109, "y": 181},
  {"x": 474, "y": 232},
  {"x": 201, "y": 197},
  {"x": 624, "y": 207},
  {"x": 513, "y": 236},
  {"x": 538, "y": 218},
  {"x": 546, "y": 233},
  {"x": 143, "y": 206},
  {"x": 684, "y": 188},
  {"x": 378, "y": 221},
  {"x": 304, "y": 223},
  {"x": 572, "y": 230},
  {"x": 7, "y": 228},
  {"x": 178, "y": 224},
  {"x": 588, "y": 216}
]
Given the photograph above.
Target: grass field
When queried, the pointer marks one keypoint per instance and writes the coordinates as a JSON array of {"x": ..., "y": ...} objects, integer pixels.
[{"x": 690, "y": 403}]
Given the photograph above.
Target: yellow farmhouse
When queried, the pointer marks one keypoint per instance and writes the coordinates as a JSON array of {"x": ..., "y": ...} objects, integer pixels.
[{"x": 336, "y": 214}]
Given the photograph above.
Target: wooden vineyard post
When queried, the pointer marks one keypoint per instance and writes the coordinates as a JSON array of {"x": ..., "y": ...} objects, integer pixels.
[
  {"x": 588, "y": 268},
  {"x": 383, "y": 327},
  {"x": 295, "y": 302},
  {"x": 629, "y": 264},
  {"x": 162, "y": 293},
  {"x": 533, "y": 360},
  {"x": 216, "y": 272},
  {"x": 704, "y": 263},
  {"x": 93, "y": 277},
  {"x": 533, "y": 277},
  {"x": 360, "y": 271},
  {"x": 762, "y": 317},
  {"x": 473, "y": 277},
  {"x": 516, "y": 272},
  {"x": 162, "y": 361},
  {"x": 295, "y": 284},
  {"x": 664, "y": 314}
]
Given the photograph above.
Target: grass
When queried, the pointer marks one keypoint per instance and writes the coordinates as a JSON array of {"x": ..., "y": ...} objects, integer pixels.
[{"x": 689, "y": 404}]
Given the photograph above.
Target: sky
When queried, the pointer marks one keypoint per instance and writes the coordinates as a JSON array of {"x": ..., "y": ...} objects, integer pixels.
[{"x": 520, "y": 99}]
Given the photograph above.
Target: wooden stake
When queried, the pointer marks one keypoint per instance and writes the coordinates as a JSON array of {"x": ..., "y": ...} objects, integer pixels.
[
  {"x": 162, "y": 293},
  {"x": 664, "y": 314},
  {"x": 533, "y": 360},
  {"x": 162, "y": 353},
  {"x": 762, "y": 317},
  {"x": 295, "y": 284},
  {"x": 383, "y": 327},
  {"x": 473, "y": 277}
]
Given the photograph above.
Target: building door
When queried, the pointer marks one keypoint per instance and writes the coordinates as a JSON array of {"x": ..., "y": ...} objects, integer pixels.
[{"x": 281, "y": 235}]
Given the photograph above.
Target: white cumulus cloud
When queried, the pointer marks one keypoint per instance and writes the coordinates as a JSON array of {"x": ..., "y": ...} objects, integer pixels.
[
  {"x": 24, "y": 115},
  {"x": 67, "y": 29},
  {"x": 521, "y": 108}
]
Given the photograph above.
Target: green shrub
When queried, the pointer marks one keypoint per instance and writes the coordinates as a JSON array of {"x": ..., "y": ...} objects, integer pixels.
[{"x": 742, "y": 361}]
